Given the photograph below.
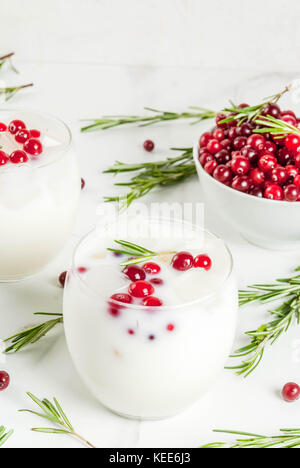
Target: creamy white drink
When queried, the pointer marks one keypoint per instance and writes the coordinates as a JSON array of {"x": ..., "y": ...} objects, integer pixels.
[
  {"x": 153, "y": 360},
  {"x": 39, "y": 192}
]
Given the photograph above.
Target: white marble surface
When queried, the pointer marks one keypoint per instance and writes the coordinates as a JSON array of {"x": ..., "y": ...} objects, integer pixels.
[{"x": 88, "y": 74}]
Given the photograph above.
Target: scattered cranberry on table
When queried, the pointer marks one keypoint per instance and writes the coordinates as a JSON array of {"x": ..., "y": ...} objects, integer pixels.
[
  {"x": 62, "y": 278},
  {"x": 256, "y": 164},
  {"x": 290, "y": 392},
  {"x": 149, "y": 145},
  {"x": 4, "y": 380},
  {"x": 82, "y": 184}
]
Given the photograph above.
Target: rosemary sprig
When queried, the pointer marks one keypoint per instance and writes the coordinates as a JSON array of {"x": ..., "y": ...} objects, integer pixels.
[
  {"x": 111, "y": 121},
  {"x": 31, "y": 335},
  {"x": 7, "y": 59},
  {"x": 55, "y": 414},
  {"x": 289, "y": 438},
  {"x": 150, "y": 175},
  {"x": 4, "y": 435},
  {"x": 276, "y": 127},
  {"x": 284, "y": 315},
  {"x": 9, "y": 92},
  {"x": 140, "y": 254}
]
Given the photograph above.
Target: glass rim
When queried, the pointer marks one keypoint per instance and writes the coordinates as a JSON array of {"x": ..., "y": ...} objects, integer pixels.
[
  {"x": 163, "y": 307},
  {"x": 50, "y": 116}
]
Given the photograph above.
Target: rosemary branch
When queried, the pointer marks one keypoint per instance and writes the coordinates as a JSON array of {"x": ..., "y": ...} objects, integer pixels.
[
  {"x": 276, "y": 127},
  {"x": 141, "y": 254},
  {"x": 7, "y": 59},
  {"x": 289, "y": 438},
  {"x": 53, "y": 412},
  {"x": 284, "y": 315},
  {"x": 111, "y": 121},
  {"x": 9, "y": 92},
  {"x": 4, "y": 435}
]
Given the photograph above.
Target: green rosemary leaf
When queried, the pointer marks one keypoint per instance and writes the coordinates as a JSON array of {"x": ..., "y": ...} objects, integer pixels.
[{"x": 4, "y": 435}]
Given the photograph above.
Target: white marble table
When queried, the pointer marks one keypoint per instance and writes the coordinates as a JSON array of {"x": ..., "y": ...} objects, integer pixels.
[{"x": 74, "y": 91}]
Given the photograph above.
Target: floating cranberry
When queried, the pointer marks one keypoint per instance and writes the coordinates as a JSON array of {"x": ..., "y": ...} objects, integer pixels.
[
  {"x": 210, "y": 166},
  {"x": 202, "y": 261},
  {"x": 16, "y": 125},
  {"x": 205, "y": 138},
  {"x": 151, "y": 268},
  {"x": 274, "y": 192},
  {"x": 239, "y": 142},
  {"x": 292, "y": 142},
  {"x": 82, "y": 184},
  {"x": 157, "y": 281},
  {"x": 273, "y": 110},
  {"x": 62, "y": 278},
  {"x": 149, "y": 145},
  {"x": 257, "y": 176},
  {"x": 35, "y": 133},
  {"x": 130, "y": 331},
  {"x": 141, "y": 289},
  {"x": 33, "y": 147},
  {"x": 240, "y": 165},
  {"x": 213, "y": 146},
  {"x": 152, "y": 301},
  {"x": 22, "y": 136},
  {"x": 289, "y": 119},
  {"x": 4, "y": 380},
  {"x": 267, "y": 162},
  {"x": 134, "y": 273},
  {"x": 182, "y": 261},
  {"x": 18, "y": 157},
  {"x": 223, "y": 174},
  {"x": 122, "y": 297},
  {"x": 3, "y": 127},
  {"x": 82, "y": 269},
  {"x": 170, "y": 327},
  {"x": 219, "y": 134},
  {"x": 291, "y": 193},
  {"x": 3, "y": 158},
  {"x": 241, "y": 183},
  {"x": 256, "y": 142},
  {"x": 290, "y": 392}
]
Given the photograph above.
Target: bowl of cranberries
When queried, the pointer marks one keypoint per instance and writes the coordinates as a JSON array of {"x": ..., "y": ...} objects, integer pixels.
[{"x": 253, "y": 179}]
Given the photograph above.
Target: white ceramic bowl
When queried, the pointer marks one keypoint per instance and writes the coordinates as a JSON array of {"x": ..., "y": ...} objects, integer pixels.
[{"x": 267, "y": 223}]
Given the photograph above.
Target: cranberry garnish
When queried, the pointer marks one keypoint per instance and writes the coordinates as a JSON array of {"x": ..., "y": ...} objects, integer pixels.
[
  {"x": 62, "y": 278},
  {"x": 152, "y": 301},
  {"x": 204, "y": 139},
  {"x": 290, "y": 392},
  {"x": 256, "y": 141},
  {"x": 292, "y": 142},
  {"x": 149, "y": 145},
  {"x": 35, "y": 133},
  {"x": 151, "y": 337},
  {"x": 170, "y": 327},
  {"x": 4, "y": 380},
  {"x": 219, "y": 134},
  {"x": 82, "y": 269},
  {"x": 82, "y": 184},
  {"x": 18, "y": 157},
  {"x": 151, "y": 268},
  {"x": 130, "y": 331},
  {"x": 223, "y": 174},
  {"x": 274, "y": 192},
  {"x": 213, "y": 146},
  {"x": 134, "y": 273},
  {"x": 141, "y": 289},
  {"x": 122, "y": 297},
  {"x": 257, "y": 176},
  {"x": 22, "y": 136},
  {"x": 16, "y": 125},
  {"x": 241, "y": 183},
  {"x": 3, "y": 158},
  {"x": 273, "y": 110},
  {"x": 182, "y": 261},
  {"x": 3, "y": 127},
  {"x": 157, "y": 281},
  {"x": 33, "y": 146},
  {"x": 202, "y": 261},
  {"x": 267, "y": 162},
  {"x": 240, "y": 165},
  {"x": 210, "y": 166},
  {"x": 291, "y": 193}
]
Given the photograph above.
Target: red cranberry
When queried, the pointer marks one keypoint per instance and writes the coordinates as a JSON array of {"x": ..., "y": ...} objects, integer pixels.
[
  {"x": 170, "y": 327},
  {"x": 291, "y": 171},
  {"x": 239, "y": 142},
  {"x": 18, "y": 157},
  {"x": 246, "y": 129},
  {"x": 205, "y": 157},
  {"x": 82, "y": 184},
  {"x": 290, "y": 392},
  {"x": 243, "y": 105},
  {"x": 250, "y": 153},
  {"x": 256, "y": 142},
  {"x": 134, "y": 273},
  {"x": 151, "y": 337},
  {"x": 82, "y": 269},
  {"x": 270, "y": 147},
  {"x": 222, "y": 156},
  {"x": 62, "y": 278},
  {"x": 35, "y": 133},
  {"x": 130, "y": 331},
  {"x": 141, "y": 289},
  {"x": 149, "y": 145},
  {"x": 219, "y": 134},
  {"x": 241, "y": 183},
  {"x": 157, "y": 281},
  {"x": 210, "y": 166},
  {"x": 204, "y": 139},
  {"x": 182, "y": 261},
  {"x": 274, "y": 192},
  {"x": 16, "y": 125},
  {"x": 289, "y": 119},
  {"x": 240, "y": 165},
  {"x": 152, "y": 301},
  {"x": 226, "y": 144},
  {"x": 291, "y": 193},
  {"x": 213, "y": 146},
  {"x": 273, "y": 110},
  {"x": 232, "y": 133},
  {"x": 257, "y": 192},
  {"x": 297, "y": 180},
  {"x": 288, "y": 112},
  {"x": 278, "y": 175},
  {"x": 3, "y": 127},
  {"x": 267, "y": 162},
  {"x": 202, "y": 261},
  {"x": 22, "y": 136},
  {"x": 223, "y": 174},
  {"x": 4, "y": 380},
  {"x": 297, "y": 160},
  {"x": 292, "y": 142},
  {"x": 122, "y": 297},
  {"x": 33, "y": 146},
  {"x": 284, "y": 156},
  {"x": 3, "y": 158},
  {"x": 219, "y": 118},
  {"x": 257, "y": 176},
  {"x": 151, "y": 268}
]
